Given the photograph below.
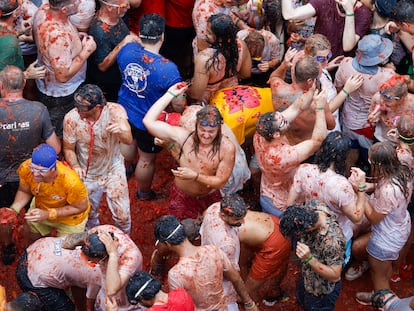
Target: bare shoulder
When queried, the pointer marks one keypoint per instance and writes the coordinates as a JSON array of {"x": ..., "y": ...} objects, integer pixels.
[{"x": 227, "y": 146}]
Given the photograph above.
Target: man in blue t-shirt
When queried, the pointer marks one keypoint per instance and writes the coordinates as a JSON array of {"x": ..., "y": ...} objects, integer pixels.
[{"x": 146, "y": 76}]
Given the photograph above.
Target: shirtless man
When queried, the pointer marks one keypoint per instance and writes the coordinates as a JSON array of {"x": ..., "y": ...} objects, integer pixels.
[
  {"x": 227, "y": 223},
  {"x": 306, "y": 71},
  {"x": 206, "y": 157}
]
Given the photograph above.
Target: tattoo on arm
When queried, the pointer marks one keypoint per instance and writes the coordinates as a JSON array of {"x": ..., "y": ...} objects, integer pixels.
[{"x": 73, "y": 240}]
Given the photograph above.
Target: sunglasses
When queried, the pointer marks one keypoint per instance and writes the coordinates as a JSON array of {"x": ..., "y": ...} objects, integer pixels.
[
  {"x": 211, "y": 123},
  {"x": 321, "y": 59},
  {"x": 124, "y": 5},
  {"x": 388, "y": 96},
  {"x": 92, "y": 263},
  {"x": 82, "y": 107},
  {"x": 41, "y": 170}
]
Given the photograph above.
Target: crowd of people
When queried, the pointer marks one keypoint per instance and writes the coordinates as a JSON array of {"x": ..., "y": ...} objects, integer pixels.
[{"x": 307, "y": 102}]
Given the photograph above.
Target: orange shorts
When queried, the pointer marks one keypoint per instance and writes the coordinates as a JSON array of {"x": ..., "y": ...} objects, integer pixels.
[{"x": 272, "y": 257}]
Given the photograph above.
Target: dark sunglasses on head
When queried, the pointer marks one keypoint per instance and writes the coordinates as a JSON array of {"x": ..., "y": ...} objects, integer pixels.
[
  {"x": 211, "y": 123},
  {"x": 388, "y": 96}
]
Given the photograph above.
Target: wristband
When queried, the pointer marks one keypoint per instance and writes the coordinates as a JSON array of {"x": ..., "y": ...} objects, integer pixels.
[
  {"x": 362, "y": 188},
  {"x": 309, "y": 259},
  {"x": 170, "y": 147},
  {"x": 14, "y": 209},
  {"x": 346, "y": 92},
  {"x": 172, "y": 94},
  {"x": 195, "y": 179},
  {"x": 52, "y": 214},
  {"x": 350, "y": 14}
]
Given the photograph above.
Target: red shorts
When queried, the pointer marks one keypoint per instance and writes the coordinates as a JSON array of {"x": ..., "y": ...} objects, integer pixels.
[
  {"x": 184, "y": 206},
  {"x": 272, "y": 257}
]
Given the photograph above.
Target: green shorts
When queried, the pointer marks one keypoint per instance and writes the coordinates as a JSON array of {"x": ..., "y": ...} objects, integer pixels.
[{"x": 45, "y": 227}]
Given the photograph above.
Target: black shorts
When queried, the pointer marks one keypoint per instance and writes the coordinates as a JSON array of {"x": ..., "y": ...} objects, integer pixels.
[
  {"x": 53, "y": 299},
  {"x": 145, "y": 141}
]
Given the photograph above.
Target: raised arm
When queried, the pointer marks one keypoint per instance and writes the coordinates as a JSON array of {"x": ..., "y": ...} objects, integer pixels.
[
  {"x": 162, "y": 129},
  {"x": 349, "y": 37},
  {"x": 64, "y": 73},
  {"x": 302, "y": 103},
  {"x": 352, "y": 84},
  {"x": 301, "y": 12},
  {"x": 110, "y": 59},
  {"x": 308, "y": 147}
]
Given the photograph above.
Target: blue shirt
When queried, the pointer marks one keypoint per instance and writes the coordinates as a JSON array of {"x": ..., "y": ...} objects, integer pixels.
[{"x": 145, "y": 78}]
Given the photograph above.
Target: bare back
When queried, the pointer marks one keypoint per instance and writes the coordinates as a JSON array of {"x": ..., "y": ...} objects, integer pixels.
[{"x": 256, "y": 229}]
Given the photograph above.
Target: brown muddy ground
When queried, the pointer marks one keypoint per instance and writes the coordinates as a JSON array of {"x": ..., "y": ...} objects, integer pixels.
[{"x": 144, "y": 215}]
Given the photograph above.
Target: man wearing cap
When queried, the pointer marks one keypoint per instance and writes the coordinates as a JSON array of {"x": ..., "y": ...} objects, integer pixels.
[
  {"x": 64, "y": 52},
  {"x": 205, "y": 156},
  {"x": 59, "y": 199},
  {"x": 200, "y": 269},
  {"x": 276, "y": 157},
  {"x": 373, "y": 51},
  {"x": 25, "y": 124},
  {"x": 146, "y": 76},
  {"x": 92, "y": 135}
]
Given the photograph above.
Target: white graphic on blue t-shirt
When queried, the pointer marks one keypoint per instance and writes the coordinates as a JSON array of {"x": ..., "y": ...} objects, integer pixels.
[{"x": 136, "y": 78}]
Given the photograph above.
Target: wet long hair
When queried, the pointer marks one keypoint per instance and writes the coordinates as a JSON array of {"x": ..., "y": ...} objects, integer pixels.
[
  {"x": 334, "y": 149},
  {"x": 225, "y": 43},
  {"x": 210, "y": 114},
  {"x": 385, "y": 165}
]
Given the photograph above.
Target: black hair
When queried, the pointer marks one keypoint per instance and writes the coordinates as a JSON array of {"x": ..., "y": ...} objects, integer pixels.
[
  {"x": 403, "y": 12},
  {"x": 135, "y": 284},
  {"x": 151, "y": 28},
  {"x": 191, "y": 228},
  {"x": 26, "y": 301},
  {"x": 265, "y": 126},
  {"x": 165, "y": 227},
  {"x": 7, "y": 7},
  {"x": 233, "y": 205},
  {"x": 334, "y": 149},
  {"x": 93, "y": 246},
  {"x": 225, "y": 43},
  {"x": 296, "y": 220}
]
